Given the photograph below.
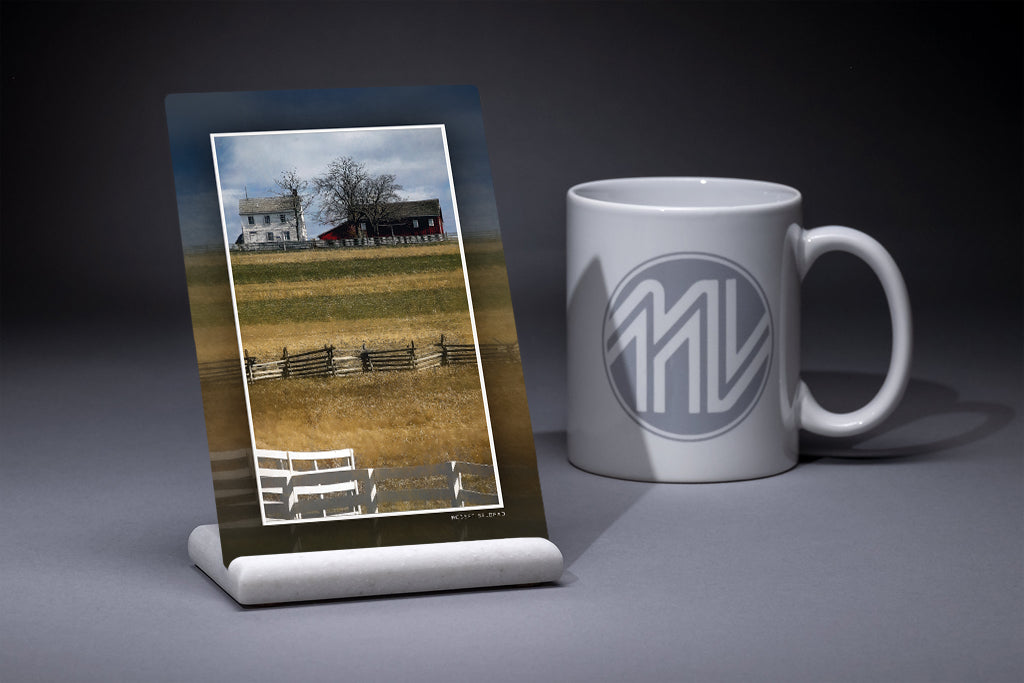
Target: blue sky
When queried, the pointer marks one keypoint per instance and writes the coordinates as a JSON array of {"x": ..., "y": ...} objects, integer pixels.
[{"x": 251, "y": 162}]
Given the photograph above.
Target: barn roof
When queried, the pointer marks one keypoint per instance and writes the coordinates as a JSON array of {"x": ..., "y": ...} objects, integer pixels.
[
  {"x": 422, "y": 207},
  {"x": 265, "y": 204},
  {"x": 415, "y": 209}
]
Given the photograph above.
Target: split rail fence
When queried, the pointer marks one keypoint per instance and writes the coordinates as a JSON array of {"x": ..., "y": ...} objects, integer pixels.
[
  {"x": 329, "y": 362},
  {"x": 296, "y": 486}
]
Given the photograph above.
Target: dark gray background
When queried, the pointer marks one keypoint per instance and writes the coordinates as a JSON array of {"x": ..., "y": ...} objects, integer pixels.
[{"x": 893, "y": 557}]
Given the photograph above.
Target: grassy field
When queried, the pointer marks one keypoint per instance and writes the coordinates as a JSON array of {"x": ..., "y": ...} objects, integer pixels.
[{"x": 383, "y": 297}]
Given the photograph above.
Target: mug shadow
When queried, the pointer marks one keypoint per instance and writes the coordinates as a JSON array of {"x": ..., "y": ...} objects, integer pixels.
[{"x": 930, "y": 419}]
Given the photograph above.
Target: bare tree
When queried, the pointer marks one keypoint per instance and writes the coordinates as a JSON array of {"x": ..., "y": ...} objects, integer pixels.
[
  {"x": 382, "y": 193},
  {"x": 338, "y": 190},
  {"x": 294, "y": 187},
  {"x": 291, "y": 184},
  {"x": 347, "y": 192}
]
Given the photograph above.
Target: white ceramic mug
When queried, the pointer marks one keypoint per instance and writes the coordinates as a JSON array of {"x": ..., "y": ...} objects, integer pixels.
[{"x": 684, "y": 328}]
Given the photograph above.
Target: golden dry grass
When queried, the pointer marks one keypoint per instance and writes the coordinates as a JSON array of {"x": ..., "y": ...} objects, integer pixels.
[
  {"x": 348, "y": 285},
  {"x": 394, "y": 419}
]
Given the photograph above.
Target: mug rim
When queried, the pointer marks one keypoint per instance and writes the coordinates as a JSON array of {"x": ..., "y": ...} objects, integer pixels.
[{"x": 794, "y": 197}]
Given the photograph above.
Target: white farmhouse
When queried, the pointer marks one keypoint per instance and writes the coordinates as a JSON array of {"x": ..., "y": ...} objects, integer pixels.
[{"x": 271, "y": 219}]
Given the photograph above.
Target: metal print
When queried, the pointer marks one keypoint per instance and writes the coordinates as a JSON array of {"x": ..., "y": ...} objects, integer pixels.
[
  {"x": 364, "y": 386},
  {"x": 357, "y": 352}
]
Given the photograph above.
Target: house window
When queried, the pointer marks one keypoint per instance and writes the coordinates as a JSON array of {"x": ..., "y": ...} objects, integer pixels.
[
  {"x": 252, "y": 220},
  {"x": 284, "y": 219},
  {"x": 266, "y": 220},
  {"x": 430, "y": 222},
  {"x": 270, "y": 235},
  {"x": 415, "y": 223},
  {"x": 287, "y": 234},
  {"x": 252, "y": 234}
]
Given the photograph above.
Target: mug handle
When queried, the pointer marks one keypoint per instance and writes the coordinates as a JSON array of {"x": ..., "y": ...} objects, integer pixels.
[{"x": 814, "y": 418}]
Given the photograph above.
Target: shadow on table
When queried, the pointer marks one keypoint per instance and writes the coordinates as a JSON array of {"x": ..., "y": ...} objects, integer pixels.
[
  {"x": 579, "y": 505},
  {"x": 930, "y": 419}
]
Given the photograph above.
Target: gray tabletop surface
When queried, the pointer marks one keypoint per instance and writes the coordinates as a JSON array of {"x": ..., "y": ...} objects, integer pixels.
[{"x": 899, "y": 561}]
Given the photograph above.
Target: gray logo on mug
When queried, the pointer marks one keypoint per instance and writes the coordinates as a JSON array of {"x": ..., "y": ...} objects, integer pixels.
[{"x": 688, "y": 344}]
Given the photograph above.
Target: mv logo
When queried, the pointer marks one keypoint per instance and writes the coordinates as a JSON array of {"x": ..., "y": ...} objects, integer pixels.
[{"x": 688, "y": 344}]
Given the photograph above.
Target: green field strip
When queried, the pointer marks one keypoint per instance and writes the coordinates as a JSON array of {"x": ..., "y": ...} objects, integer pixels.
[
  {"x": 401, "y": 304},
  {"x": 382, "y": 267}
]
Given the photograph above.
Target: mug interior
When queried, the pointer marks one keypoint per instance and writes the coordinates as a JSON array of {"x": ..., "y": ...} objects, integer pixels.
[{"x": 697, "y": 194}]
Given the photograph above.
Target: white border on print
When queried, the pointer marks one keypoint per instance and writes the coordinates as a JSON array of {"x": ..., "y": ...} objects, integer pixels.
[{"x": 469, "y": 299}]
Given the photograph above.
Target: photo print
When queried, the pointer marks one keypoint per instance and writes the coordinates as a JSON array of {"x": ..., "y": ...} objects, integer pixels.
[{"x": 363, "y": 379}]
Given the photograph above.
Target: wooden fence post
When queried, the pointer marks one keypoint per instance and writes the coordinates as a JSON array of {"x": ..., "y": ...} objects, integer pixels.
[
  {"x": 284, "y": 367},
  {"x": 444, "y": 352}
]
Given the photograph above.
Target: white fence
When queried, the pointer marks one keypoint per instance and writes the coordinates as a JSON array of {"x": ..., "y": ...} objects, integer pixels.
[
  {"x": 326, "y": 484},
  {"x": 292, "y": 484}
]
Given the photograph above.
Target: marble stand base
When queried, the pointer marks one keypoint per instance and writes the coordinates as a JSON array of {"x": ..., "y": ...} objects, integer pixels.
[{"x": 330, "y": 574}]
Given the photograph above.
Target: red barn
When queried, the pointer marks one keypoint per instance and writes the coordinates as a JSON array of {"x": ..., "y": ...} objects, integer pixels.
[{"x": 420, "y": 217}]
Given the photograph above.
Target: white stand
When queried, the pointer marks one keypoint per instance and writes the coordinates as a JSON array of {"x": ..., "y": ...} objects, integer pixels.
[{"x": 330, "y": 574}]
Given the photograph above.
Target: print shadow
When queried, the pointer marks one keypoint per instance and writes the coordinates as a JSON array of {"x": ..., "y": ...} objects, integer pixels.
[
  {"x": 930, "y": 419},
  {"x": 581, "y": 505}
]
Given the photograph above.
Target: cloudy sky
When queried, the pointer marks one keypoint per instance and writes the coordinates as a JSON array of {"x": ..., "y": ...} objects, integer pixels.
[{"x": 250, "y": 162}]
